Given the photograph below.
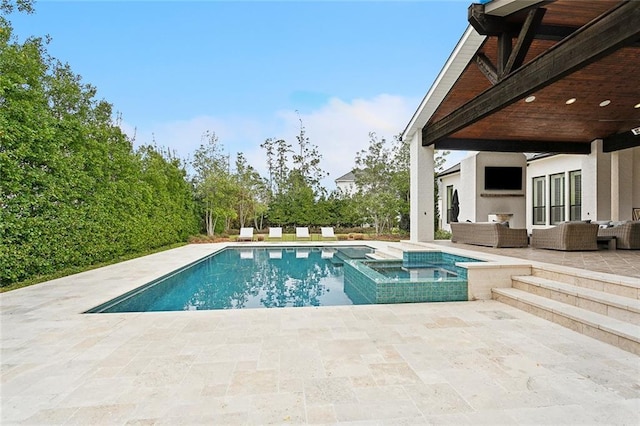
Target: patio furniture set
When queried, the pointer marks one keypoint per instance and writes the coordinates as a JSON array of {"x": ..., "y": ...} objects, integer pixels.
[{"x": 566, "y": 236}]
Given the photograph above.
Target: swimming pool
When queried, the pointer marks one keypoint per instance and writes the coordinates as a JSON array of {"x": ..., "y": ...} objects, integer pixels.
[{"x": 252, "y": 277}]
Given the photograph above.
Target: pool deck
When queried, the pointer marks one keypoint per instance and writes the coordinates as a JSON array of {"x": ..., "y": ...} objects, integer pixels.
[{"x": 480, "y": 362}]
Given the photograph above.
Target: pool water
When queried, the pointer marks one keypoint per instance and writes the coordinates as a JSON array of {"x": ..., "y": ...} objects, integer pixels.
[
  {"x": 239, "y": 278},
  {"x": 400, "y": 272}
]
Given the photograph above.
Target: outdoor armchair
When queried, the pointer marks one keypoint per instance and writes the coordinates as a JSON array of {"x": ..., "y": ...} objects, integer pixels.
[{"x": 627, "y": 234}]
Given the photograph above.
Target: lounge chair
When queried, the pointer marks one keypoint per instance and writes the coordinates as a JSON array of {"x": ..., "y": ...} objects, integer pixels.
[
  {"x": 327, "y": 233},
  {"x": 302, "y": 232},
  {"x": 567, "y": 236},
  {"x": 275, "y": 233},
  {"x": 246, "y": 234}
]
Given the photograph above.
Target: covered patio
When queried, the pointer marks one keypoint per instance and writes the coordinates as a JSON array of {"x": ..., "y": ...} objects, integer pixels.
[{"x": 538, "y": 77}]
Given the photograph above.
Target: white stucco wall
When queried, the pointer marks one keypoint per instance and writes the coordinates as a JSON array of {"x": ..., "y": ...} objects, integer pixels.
[
  {"x": 562, "y": 163},
  {"x": 625, "y": 183},
  {"x": 347, "y": 187},
  {"x": 500, "y": 201}
]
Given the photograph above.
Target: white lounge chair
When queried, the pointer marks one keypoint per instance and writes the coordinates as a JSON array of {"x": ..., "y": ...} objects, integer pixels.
[
  {"x": 302, "y": 253},
  {"x": 302, "y": 232},
  {"x": 327, "y": 233},
  {"x": 246, "y": 234},
  {"x": 275, "y": 233}
]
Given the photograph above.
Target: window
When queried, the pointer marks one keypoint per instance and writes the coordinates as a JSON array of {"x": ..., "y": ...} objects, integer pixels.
[
  {"x": 539, "y": 205},
  {"x": 557, "y": 198},
  {"x": 449, "y": 202},
  {"x": 575, "y": 195}
]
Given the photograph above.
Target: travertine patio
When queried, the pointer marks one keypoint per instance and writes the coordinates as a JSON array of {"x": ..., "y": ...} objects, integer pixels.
[{"x": 480, "y": 362}]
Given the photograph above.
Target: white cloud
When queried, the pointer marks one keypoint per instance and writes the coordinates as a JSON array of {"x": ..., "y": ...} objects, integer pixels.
[{"x": 339, "y": 129}]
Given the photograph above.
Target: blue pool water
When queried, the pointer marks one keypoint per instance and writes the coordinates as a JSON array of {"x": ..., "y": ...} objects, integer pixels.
[{"x": 238, "y": 278}]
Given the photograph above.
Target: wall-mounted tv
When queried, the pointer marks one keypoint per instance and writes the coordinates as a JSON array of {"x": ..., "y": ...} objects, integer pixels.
[{"x": 503, "y": 178}]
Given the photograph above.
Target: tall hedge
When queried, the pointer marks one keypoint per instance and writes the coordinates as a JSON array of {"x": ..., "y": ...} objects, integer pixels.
[{"x": 73, "y": 192}]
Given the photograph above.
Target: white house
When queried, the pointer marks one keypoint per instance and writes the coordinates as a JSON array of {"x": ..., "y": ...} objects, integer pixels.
[
  {"x": 530, "y": 76},
  {"x": 346, "y": 183}
]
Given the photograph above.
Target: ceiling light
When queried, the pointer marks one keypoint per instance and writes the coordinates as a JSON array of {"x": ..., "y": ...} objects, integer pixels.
[
  {"x": 636, "y": 106},
  {"x": 605, "y": 103},
  {"x": 570, "y": 101},
  {"x": 530, "y": 99}
]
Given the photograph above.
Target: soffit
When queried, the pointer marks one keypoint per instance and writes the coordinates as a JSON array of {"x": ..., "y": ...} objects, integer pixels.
[{"x": 614, "y": 77}]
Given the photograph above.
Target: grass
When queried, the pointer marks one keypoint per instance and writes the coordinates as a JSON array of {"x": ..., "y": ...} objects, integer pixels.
[
  {"x": 77, "y": 269},
  {"x": 258, "y": 237}
]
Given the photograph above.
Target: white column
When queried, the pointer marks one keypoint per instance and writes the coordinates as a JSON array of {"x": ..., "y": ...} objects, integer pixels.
[
  {"x": 596, "y": 184},
  {"x": 421, "y": 190},
  {"x": 622, "y": 178}
]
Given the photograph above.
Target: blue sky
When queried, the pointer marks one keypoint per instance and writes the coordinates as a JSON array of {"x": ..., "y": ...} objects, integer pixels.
[{"x": 249, "y": 70}]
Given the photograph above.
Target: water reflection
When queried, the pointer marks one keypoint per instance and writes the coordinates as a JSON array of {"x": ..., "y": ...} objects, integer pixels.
[{"x": 247, "y": 278}]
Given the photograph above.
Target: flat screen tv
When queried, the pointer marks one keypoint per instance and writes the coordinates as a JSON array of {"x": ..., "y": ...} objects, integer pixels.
[{"x": 503, "y": 178}]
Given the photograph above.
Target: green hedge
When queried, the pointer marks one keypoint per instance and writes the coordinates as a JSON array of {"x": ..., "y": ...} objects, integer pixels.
[{"x": 73, "y": 192}]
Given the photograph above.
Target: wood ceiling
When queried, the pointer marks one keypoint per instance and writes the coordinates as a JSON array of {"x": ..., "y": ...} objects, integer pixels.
[{"x": 479, "y": 115}]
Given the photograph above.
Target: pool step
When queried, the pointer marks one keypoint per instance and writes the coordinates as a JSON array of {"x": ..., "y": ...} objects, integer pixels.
[
  {"x": 606, "y": 316},
  {"x": 381, "y": 255}
]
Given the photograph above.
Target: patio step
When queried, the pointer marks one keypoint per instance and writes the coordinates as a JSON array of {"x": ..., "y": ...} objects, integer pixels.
[
  {"x": 606, "y": 329},
  {"x": 611, "y": 305},
  {"x": 612, "y": 284}
]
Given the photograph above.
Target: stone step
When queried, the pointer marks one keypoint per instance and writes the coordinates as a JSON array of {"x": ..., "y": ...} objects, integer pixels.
[
  {"x": 612, "y": 284},
  {"x": 606, "y": 329},
  {"x": 612, "y": 305},
  {"x": 381, "y": 255}
]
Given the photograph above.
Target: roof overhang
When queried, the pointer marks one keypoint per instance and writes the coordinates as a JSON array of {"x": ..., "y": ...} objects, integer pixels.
[{"x": 535, "y": 79}]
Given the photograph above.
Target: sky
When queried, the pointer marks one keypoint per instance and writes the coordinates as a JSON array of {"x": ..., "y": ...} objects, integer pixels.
[{"x": 252, "y": 70}]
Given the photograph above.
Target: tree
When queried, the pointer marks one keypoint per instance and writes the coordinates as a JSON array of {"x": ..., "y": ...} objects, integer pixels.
[
  {"x": 376, "y": 198},
  {"x": 215, "y": 187},
  {"x": 72, "y": 190},
  {"x": 250, "y": 189}
]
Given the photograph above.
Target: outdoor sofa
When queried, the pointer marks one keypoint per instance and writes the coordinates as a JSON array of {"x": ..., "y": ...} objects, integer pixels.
[
  {"x": 627, "y": 234},
  {"x": 567, "y": 236},
  {"x": 492, "y": 234}
]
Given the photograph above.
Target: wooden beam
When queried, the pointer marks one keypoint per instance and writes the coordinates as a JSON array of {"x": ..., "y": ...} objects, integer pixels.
[
  {"x": 487, "y": 68},
  {"x": 505, "y": 42},
  {"x": 620, "y": 141},
  {"x": 613, "y": 30},
  {"x": 499, "y": 145},
  {"x": 525, "y": 38},
  {"x": 484, "y": 24}
]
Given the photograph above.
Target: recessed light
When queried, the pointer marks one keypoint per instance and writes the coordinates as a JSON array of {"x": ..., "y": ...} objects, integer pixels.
[
  {"x": 605, "y": 103},
  {"x": 530, "y": 99},
  {"x": 636, "y": 106},
  {"x": 570, "y": 101}
]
